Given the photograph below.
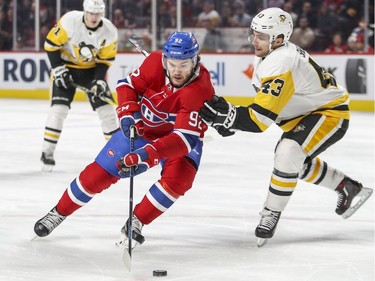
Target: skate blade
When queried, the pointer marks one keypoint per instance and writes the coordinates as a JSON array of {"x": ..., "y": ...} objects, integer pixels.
[
  {"x": 261, "y": 242},
  {"x": 47, "y": 168},
  {"x": 363, "y": 195}
]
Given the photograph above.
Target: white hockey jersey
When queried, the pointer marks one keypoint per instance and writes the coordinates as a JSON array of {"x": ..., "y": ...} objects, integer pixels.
[
  {"x": 79, "y": 46},
  {"x": 290, "y": 85}
]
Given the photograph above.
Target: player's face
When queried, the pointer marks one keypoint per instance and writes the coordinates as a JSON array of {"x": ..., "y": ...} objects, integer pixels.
[
  {"x": 261, "y": 43},
  {"x": 179, "y": 71},
  {"x": 92, "y": 20}
]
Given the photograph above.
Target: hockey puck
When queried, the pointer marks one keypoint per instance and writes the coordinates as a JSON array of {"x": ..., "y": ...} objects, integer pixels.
[{"x": 159, "y": 273}]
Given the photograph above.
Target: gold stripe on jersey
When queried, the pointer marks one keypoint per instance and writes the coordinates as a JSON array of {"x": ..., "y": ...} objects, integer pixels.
[
  {"x": 322, "y": 131},
  {"x": 56, "y": 38},
  {"x": 107, "y": 53},
  {"x": 289, "y": 125},
  {"x": 271, "y": 98}
]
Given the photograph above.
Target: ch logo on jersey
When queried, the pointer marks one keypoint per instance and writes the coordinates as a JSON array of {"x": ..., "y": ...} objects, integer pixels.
[{"x": 153, "y": 117}]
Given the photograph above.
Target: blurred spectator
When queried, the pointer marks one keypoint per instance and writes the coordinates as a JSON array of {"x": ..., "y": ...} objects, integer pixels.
[
  {"x": 226, "y": 16},
  {"x": 333, "y": 5},
  {"x": 43, "y": 31},
  {"x": 288, "y": 7},
  {"x": 164, "y": 17},
  {"x": 347, "y": 20},
  {"x": 173, "y": 13},
  {"x": 213, "y": 41},
  {"x": 326, "y": 26},
  {"x": 307, "y": 12},
  {"x": 252, "y": 7},
  {"x": 209, "y": 13},
  {"x": 130, "y": 21},
  {"x": 337, "y": 46},
  {"x": 240, "y": 17},
  {"x": 5, "y": 31},
  {"x": 360, "y": 30},
  {"x": 3, "y": 6},
  {"x": 276, "y": 3},
  {"x": 357, "y": 45},
  {"x": 303, "y": 35},
  {"x": 118, "y": 18},
  {"x": 191, "y": 10}
]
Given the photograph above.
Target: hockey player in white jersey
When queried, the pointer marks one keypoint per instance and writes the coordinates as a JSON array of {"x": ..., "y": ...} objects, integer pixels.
[
  {"x": 80, "y": 48},
  {"x": 306, "y": 102}
]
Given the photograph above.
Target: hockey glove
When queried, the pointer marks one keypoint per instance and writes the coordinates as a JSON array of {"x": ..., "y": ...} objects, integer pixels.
[
  {"x": 129, "y": 114},
  {"x": 100, "y": 89},
  {"x": 219, "y": 112},
  {"x": 224, "y": 132},
  {"x": 61, "y": 76},
  {"x": 142, "y": 159}
]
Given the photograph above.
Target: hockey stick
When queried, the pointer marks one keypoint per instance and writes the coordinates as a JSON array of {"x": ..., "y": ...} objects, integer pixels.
[
  {"x": 127, "y": 254},
  {"x": 134, "y": 41},
  {"x": 88, "y": 91}
]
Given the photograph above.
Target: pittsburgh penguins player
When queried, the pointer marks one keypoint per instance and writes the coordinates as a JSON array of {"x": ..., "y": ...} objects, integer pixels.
[
  {"x": 306, "y": 102},
  {"x": 80, "y": 48}
]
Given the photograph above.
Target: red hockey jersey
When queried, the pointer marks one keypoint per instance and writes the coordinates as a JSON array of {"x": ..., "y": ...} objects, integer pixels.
[{"x": 169, "y": 114}]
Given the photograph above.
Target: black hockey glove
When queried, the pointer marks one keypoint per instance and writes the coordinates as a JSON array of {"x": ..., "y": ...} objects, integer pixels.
[
  {"x": 218, "y": 113},
  {"x": 61, "y": 76},
  {"x": 100, "y": 89},
  {"x": 224, "y": 132}
]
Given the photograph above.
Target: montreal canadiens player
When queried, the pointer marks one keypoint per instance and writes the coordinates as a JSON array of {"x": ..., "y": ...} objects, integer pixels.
[
  {"x": 305, "y": 101},
  {"x": 162, "y": 99},
  {"x": 80, "y": 48}
]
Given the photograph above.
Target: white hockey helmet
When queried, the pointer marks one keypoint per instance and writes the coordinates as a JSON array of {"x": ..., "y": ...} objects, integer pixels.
[
  {"x": 94, "y": 6},
  {"x": 273, "y": 21}
]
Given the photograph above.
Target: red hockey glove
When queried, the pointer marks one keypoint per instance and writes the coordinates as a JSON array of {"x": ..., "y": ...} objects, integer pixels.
[
  {"x": 142, "y": 158},
  {"x": 129, "y": 114}
]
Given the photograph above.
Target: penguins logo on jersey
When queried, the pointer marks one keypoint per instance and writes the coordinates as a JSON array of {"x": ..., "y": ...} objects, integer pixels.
[{"x": 86, "y": 52}]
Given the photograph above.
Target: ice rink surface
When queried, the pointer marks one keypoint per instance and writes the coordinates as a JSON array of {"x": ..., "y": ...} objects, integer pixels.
[{"x": 207, "y": 235}]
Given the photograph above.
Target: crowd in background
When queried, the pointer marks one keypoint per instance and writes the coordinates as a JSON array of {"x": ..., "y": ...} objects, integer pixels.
[{"x": 333, "y": 26}]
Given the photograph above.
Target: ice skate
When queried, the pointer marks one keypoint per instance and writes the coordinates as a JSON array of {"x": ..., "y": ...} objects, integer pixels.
[
  {"x": 267, "y": 226},
  {"x": 348, "y": 190},
  {"x": 137, "y": 237},
  {"x": 48, "y": 162},
  {"x": 48, "y": 223}
]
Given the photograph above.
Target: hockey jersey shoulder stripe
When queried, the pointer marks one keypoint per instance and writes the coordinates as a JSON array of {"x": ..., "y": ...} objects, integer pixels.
[{"x": 55, "y": 38}]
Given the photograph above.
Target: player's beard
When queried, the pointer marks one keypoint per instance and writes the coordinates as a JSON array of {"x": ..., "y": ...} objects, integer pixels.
[{"x": 192, "y": 74}]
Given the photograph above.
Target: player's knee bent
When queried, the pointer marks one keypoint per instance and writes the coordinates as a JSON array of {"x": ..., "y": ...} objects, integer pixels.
[
  {"x": 289, "y": 156},
  {"x": 180, "y": 185},
  {"x": 95, "y": 179}
]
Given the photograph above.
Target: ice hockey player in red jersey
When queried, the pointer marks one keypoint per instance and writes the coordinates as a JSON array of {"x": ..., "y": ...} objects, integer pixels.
[
  {"x": 162, "y": 99},
  {"x": 305, "y": 101}
]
